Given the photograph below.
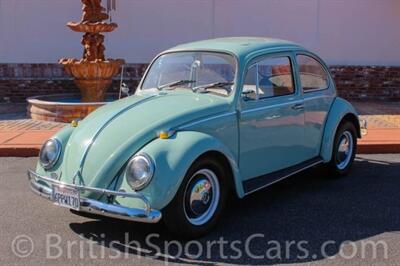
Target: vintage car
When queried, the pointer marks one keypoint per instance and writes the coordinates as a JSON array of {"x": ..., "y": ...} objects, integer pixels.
[{"x": 209, "y": 119}]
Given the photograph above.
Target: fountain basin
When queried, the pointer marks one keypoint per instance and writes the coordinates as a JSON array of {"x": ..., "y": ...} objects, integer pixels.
[
  {"x": 92, "y": 77},
  {"x": 62, "y": 107},
  {"x": 92, "y": 27}
]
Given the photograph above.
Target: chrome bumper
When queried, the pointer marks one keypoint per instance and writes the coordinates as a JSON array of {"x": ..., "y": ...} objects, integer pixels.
[{"x": 146, "y": 215}]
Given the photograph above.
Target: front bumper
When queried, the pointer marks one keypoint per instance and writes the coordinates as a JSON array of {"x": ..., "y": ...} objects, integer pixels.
[{"x": 146, "y": 215}]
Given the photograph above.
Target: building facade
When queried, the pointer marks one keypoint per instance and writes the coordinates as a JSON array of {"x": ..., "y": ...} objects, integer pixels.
[{"x": 359, "y": 39}]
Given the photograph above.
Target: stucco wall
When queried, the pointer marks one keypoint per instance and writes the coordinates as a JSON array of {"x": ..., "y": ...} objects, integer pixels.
[{"x": 346, "y": 32}]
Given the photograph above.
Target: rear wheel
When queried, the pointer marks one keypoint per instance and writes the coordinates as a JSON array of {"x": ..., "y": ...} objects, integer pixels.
[
  {"x": 199, "y": 201},
  {"x": 344, "y": 149}
]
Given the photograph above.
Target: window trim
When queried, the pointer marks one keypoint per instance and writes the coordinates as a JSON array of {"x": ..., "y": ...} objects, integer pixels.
[
  {"x": 324, "y": 67},
  {"x": 255, "y": 62}
]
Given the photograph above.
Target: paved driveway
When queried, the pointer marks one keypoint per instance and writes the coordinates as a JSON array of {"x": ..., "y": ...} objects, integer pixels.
[{"x": 301, "y": 220}]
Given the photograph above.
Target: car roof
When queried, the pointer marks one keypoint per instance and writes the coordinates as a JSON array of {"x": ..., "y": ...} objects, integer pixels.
[{"x": 240, "y": 46}]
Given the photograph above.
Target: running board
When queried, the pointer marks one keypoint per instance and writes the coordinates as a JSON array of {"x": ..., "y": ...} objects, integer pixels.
[{"x": 257, "y": 183}]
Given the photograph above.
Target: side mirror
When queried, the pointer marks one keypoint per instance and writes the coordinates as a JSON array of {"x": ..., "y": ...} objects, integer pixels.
[
  {"x": 124, "y": 89},
  {"x": 249, "y": 95}
]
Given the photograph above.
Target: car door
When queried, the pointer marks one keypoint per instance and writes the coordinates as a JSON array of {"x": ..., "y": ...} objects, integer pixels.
[
  {"x": 318, "y": 94},
  {"x": 271, "y": 118}
]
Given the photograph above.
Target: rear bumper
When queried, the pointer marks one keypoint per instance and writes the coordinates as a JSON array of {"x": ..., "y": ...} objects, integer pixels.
[{"x": 146, "y": 215}]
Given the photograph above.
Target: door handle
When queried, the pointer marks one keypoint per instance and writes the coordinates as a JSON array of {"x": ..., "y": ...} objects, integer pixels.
[
  {"x": 298, "y": 106},
  {"x": 272, "y": 117}
]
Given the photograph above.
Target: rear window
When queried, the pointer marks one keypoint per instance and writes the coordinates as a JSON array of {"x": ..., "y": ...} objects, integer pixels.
[{"x": 312, "y": 74}]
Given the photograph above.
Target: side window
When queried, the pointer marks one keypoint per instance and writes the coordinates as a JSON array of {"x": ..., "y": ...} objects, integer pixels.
[
  {"x": 312, "y": 74},
  {"x": 270, "y": 77},
  {"x": 275, "y": 77}
]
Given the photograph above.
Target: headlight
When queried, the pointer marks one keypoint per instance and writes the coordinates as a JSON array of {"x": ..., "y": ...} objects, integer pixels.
[
  {"x": 50, "y": 153},
  {"x": 139, "y": 171}
]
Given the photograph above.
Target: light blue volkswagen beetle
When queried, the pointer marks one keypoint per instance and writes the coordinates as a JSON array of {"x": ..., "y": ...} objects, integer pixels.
[{"x": 209, "y": 118}]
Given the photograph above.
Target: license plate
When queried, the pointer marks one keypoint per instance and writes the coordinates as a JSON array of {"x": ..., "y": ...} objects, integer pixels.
[{"x": 66, "y": 197}]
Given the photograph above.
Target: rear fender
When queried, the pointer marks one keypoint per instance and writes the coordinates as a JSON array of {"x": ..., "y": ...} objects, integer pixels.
[{"x": 339, "y": 110}]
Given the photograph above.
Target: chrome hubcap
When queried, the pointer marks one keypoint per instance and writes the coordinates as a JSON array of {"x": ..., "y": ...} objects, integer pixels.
[
  {"x": 201, "y": 197},
  {"x": 345, "y": 150}
]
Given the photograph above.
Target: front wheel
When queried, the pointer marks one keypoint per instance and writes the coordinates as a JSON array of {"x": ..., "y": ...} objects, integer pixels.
[
  {"x": 199, "y": 201},
  {"x": 344, "y": 149}
]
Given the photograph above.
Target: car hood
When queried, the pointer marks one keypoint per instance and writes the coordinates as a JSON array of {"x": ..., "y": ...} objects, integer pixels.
[{"x": 103, "y": 142}]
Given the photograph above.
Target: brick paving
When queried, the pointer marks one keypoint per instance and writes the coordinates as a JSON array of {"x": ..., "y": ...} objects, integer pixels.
[
  {"x": 379, "y": 114},
  {"x": 23, "y": 143},
  {"x": 28, "y": 125},
  {"x": 21, "y": 137}
]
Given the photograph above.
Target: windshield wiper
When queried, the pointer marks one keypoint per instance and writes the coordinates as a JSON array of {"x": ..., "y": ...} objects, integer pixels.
[
  {"x": 176, "y": 83},
  {"x": 222, "y": 85}
]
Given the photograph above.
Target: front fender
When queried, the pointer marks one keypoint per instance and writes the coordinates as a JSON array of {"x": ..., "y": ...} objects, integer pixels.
[
  {"x": 339, "y": 109},
  {"x": 172, "y": 158}
]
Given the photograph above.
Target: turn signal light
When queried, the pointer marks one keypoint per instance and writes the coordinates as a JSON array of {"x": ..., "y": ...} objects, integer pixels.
[
  {"x": 74, "y": 123},
  {"x": 165, "y": 134}
]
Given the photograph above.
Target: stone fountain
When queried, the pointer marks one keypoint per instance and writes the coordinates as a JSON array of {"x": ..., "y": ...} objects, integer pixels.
[{"x": 92, "y": 74}]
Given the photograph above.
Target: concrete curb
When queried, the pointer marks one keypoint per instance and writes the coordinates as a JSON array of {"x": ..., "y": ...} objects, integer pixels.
[
  {"x": 380, "y": 140},
  {"x": 378, "y": 148},
  {"x": 369, "y": 148},
  {"x": 19, "y": 151}
]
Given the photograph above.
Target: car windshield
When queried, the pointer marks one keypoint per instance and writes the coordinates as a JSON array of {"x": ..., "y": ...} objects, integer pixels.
[{"x": 213, "y": 72}]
